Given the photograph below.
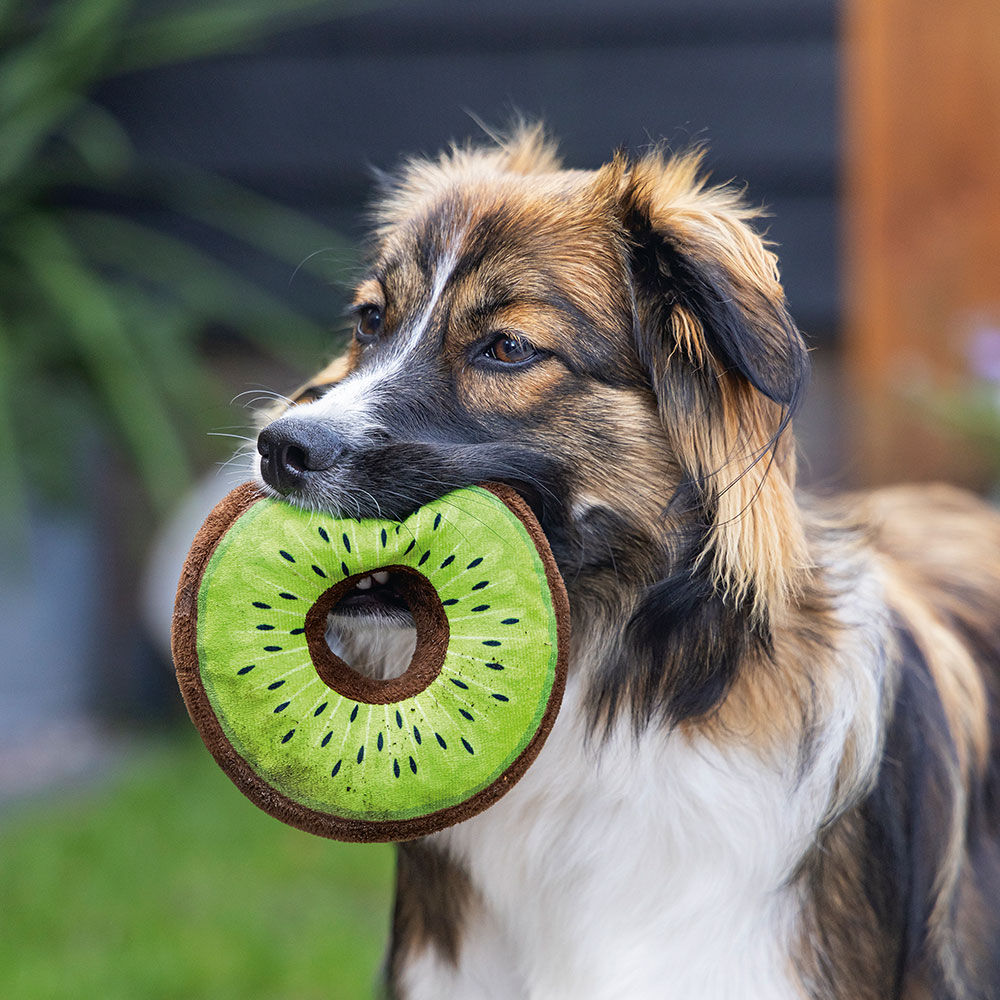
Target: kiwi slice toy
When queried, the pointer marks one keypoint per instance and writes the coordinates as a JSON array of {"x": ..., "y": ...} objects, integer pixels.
[{"x": 334, "y": 752}]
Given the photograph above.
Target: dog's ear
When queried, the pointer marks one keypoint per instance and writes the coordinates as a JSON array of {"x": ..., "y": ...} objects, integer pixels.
[{"x": 726, "y": 362}]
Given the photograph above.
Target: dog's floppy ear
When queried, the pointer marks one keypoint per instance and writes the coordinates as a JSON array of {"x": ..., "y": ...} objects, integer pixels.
[{"x": 726, "y": 362}]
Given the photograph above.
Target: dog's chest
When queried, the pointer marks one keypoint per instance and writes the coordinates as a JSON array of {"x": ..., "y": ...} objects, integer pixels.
[{"x": 638, "y": 868}]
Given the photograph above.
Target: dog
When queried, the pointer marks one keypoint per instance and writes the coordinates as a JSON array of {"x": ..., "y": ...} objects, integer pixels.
[{"x": 775, "y": 773}]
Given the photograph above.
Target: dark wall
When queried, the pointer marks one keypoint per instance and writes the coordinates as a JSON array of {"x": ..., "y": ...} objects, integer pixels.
[{"x": 756, "y": 80}]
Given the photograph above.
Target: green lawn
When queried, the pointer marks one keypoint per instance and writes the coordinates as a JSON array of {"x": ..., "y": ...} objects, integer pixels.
[{"x": 165, "y": 882}]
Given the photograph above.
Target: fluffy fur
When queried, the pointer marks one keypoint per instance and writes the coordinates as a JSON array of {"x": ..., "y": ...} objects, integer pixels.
[{"x": 775, "y": 771}]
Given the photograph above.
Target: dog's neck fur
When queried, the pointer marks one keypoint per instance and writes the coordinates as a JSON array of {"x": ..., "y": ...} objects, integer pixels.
[{"x": 628, "y": 861}]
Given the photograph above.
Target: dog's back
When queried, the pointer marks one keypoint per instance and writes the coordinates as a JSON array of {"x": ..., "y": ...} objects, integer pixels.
[{"x": 905, "y": 887}]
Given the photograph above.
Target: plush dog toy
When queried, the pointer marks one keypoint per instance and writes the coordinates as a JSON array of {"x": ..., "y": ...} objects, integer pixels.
[{"x": 341, "y": 754}]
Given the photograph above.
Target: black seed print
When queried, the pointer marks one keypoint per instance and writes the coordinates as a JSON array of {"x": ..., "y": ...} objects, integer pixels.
[
  {"x": 361, "y": 753},
  {"x": 481, "y": 607},
  {"x": 424, "y": 558},
  {"x": 458, "y": 683},
  {"x": 288, "y": 736},
  {"x": 321, "y": 709},
  {"x": 336, "y": 768},
  {"x": 354, "y": 713},
  {"x": 437, "y": 522},
  {"x": 510, "y": 621},
  {"x": 399, "y": 719},
  {"x": 495, "y": 666},
  {"x": 385, "y": 538},
  {"x": 380, "y": 741},
  {"x": 409, "y": 548},
  {"x": 398, "y": 526},
  {"x": 451, "y": 600},
  {"x": 440, "y": 738},
  {"x": 501, "y": 697},
  {"x": 296, "y": 631},
  {"x": 416, "y": 735},
  {"x": 246, "y": 669},
  {"x": 323, "y": 534},
  {"x": 285, "y": 555},
  {"x": 347, "y": 542},
  {"x": 491, "y": 642},
  {"x": 474, "y": 563},
  {"x": 323, "y": 742},
  {"x": 287, "y": 596},
  {"x": 266, "y": 628},
  {"x": 272, "y": 649},
  {"x": 413, "y": 765},
  {"x": 468, "y": 715},
  {"x": 343, "y": 566},
  {"x": 395, "y": 767},
  {"x": 262, "y": 605},
  {"x": 465, "y": 743},
  {"x": 318, "y": 571},
  {"x": 275, "y": 685},
  {"x": 480, "y": 585},
  {"x": 448, "y": 561},
  {"x": 282, "y": 707}
]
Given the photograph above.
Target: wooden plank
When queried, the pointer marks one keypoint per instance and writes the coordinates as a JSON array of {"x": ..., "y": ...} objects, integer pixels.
[{"x": 923, "y": 217}]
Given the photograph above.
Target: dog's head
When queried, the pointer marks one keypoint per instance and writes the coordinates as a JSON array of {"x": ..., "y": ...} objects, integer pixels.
[{"x": 614, "y": 344}]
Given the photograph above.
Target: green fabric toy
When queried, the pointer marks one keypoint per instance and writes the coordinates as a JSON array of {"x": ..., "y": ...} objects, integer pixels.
[{"x": 327, "y": 749}]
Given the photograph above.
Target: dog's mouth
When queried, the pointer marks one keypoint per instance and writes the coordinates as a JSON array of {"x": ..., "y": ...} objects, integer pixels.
[{"x": 379, "y": 596}]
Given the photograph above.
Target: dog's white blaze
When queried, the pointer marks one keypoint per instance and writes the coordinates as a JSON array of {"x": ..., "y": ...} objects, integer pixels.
[
  {"x": 442, "y": 273},
  {"x": 351, "y": 406}
]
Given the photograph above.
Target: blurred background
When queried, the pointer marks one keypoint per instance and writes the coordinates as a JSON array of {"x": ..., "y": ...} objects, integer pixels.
[{"x": 181, "y": 196}]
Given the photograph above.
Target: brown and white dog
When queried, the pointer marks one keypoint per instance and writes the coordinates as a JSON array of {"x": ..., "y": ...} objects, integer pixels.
[{"x": 775, "y": 771}]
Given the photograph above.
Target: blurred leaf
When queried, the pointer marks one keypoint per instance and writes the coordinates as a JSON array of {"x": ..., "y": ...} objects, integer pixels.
[
  {"x": 199, "y": 280},
  {"x": 99, "y": 140},
  {"x": 260, "y": 222},
  {"x": 8, "y": 10},
  {"x": 221, "y": 27},
  {"x": 65, "y": 55},
  {"x": 43, "y": 80},
  {"x": 93, "y": 322},
  {"x": 11, "y": 470},
  {"x": 24, "y": 131}
]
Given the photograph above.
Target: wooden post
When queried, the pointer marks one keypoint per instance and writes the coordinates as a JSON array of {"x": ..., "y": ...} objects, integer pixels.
[{"x": 922, "y": 233}]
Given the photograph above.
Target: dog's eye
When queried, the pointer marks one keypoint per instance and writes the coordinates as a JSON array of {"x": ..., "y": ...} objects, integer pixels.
[
  {"x": 369, "y": 327},
  {"x": 511, "y": 350}
]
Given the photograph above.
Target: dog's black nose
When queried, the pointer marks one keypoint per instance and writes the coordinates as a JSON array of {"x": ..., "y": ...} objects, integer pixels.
[{"x": 291, "y": 448}]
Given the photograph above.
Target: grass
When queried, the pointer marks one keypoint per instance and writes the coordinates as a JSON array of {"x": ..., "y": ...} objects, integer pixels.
[{"x": 166, "y": 883}]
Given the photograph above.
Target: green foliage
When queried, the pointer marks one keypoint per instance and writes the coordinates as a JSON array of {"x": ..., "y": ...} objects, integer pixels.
[
  {"x": 100, "y": 315},
  {"x": 168, "y": 883},
  {"x": 972, "y": 414}
]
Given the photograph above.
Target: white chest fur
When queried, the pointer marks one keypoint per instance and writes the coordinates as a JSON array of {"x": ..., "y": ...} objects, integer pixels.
[{"x": 639, "y": 868}]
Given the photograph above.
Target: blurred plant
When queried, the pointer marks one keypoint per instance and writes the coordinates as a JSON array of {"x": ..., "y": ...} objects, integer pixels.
[
  {"x": 971, "y": 408},
  {"x": 101, "y": 314}
]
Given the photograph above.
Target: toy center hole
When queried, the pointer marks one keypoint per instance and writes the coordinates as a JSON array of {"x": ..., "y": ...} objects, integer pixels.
[
  {"x": 376, "y": 650},
  {"x": 372, "y": 629},
  {"x": 395, "y": 636}
]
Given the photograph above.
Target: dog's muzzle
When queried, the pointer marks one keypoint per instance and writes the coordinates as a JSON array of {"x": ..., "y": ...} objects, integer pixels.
[{"x": 292, "y": 450}]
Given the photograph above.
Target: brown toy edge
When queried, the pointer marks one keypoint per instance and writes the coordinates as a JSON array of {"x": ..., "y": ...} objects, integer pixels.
[{"x": 255, "y": 788}]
